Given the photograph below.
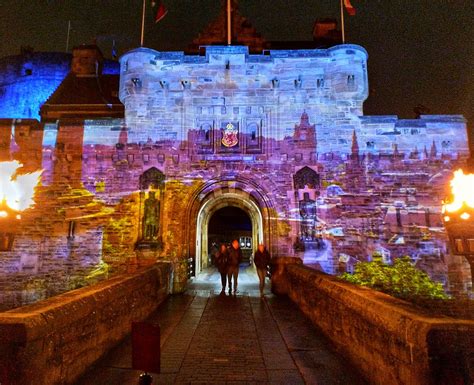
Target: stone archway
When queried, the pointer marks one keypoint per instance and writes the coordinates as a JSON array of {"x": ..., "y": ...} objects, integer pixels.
[
  {"x": 227, "y": 224},
  {"x": 258, "y": 198},
  {"x": 215, "y": 203}
]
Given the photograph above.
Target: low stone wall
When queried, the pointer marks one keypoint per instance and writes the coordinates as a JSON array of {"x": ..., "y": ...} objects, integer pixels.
[
  {"x": 54, "y": 341},
  {"x": 387, "y": 339}
]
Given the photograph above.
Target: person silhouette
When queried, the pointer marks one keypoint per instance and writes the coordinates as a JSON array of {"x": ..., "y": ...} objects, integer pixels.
[
  {"x": 262, "y": 260},
  {"x": 235, "y": 257},
  {"x": 221, "y": 261}
]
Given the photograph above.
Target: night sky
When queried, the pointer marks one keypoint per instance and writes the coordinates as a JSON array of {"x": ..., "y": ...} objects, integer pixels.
[{"x": 420, "y": 51}]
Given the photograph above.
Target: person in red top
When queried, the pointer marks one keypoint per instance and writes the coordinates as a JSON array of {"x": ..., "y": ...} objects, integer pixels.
[
  {"x": 235, "y": 257},
  {"x": 261, "y": 260}
]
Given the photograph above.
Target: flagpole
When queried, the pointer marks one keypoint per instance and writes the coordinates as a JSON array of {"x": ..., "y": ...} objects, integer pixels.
[
  {"x": 143, "y": 23},
  {"x": 342, "y": 23},
  {"x": 68, "y": 32},
  {"x": 229, "y": 28}
]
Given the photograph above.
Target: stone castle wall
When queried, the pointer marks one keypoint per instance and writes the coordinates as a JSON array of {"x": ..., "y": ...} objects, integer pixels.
[
  {"x": 55, "y": 245},
  {"x": 166, "y": 94},
  {"x": 110, "y": 167},
  {"x": 27, "y": 81},
  {"x": 299, "y": 146}
]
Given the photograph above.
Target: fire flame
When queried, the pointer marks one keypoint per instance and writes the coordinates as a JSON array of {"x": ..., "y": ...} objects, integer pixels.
[
  {"x": 17, "y": 191},
  {"x": 462, "y": 188}
]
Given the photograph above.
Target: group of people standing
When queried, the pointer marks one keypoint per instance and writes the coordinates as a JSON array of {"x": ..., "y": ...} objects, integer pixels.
[{"x": 228, "y": 259}]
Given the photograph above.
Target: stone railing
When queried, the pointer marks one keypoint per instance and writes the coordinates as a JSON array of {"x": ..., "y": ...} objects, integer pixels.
[
  {"x": 390, "y": 341},
  {"x": 55, "y": 340}
]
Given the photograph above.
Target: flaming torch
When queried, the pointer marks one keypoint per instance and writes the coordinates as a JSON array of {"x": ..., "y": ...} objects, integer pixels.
[
  {"x": 16, "y": 191},
  {"x": 458, "y": 216}
]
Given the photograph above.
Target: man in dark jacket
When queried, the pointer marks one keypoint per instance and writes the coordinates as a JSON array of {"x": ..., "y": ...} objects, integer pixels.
[
  {"x": 234, "y": 259},
  {"x": 261, "y": 260},
  {"x": 220, "y": 260}
]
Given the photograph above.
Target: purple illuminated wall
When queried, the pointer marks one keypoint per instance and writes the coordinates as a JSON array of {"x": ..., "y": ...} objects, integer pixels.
[{"x": 281, "y": 136}]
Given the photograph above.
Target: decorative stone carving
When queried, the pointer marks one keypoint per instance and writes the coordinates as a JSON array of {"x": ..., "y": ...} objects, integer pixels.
[
  {"x": 306, "y": 183},
  {"x": 306, "y": 177},
  {"x": 152, "y": 176},
  {"x": 150, "y": 236},
  {"x": 151, "y": 217}
]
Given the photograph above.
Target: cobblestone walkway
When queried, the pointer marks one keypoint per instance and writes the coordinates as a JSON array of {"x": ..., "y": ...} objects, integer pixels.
[{"x": 209, "y": 338}]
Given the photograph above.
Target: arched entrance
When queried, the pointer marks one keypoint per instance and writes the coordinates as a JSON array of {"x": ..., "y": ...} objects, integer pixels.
[
  {"x": 227, "y": 224},
  {"x": 210, "y": 207}
]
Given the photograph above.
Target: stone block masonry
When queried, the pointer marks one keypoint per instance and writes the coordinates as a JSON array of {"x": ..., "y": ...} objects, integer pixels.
[
  {"x": 387, "y": 339},
  {"x": 27, "y": 80},
  {"x": 166, "y": 94},
  {"x": 54, "y": 341},
  {"x": 280, "y": 135}
]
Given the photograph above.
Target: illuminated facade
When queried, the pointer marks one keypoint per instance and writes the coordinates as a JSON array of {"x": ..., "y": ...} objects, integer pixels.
[{"x": 141, "y": 164}]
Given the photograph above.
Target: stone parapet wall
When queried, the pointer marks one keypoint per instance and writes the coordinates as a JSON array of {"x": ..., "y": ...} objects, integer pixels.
[
  {"x": 428, "y": 137},
  {"x": 24, "y": 288},
  {"x": 387, "y": 339},
  {"x": 54, "y": 341}
]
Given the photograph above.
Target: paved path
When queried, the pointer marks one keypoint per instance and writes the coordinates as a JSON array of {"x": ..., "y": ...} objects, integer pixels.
[{"x": 208, "y": 338}]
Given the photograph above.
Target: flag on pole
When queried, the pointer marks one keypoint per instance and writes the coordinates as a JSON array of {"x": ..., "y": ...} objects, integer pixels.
[
  {"x": 161, "y": 10},
  {"x": 114, "y": 50},
  {"x": 349, "y": 8}
]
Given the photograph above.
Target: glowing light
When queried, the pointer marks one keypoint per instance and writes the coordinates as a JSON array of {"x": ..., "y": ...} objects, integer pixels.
[
  {"x": 3, "y": 214},
  {"x": 18, "y": 216},
  {"x": 446, "y": 218},
  {"x": 462, "y": 187},
  {"x": 17, "y": 191},
  {"x": 465, "y": 216}
]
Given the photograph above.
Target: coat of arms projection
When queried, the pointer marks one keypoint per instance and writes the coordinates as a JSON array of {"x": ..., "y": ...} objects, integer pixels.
[{"x": 230, "y": 135}]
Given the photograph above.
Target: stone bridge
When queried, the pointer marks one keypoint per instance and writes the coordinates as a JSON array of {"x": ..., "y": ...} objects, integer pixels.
[{"x": 312, "y": 329}]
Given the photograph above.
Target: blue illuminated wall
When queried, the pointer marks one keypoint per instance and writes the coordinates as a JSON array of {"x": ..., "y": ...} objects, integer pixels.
[{"x": 27, "y": 81}]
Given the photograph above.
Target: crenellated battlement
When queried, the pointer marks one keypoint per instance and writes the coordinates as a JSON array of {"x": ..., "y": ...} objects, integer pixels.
[{"x": 166, "y": 93}]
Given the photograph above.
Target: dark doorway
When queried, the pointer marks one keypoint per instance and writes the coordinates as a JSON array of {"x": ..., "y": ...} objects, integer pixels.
[{"x": 227, "y": 224}]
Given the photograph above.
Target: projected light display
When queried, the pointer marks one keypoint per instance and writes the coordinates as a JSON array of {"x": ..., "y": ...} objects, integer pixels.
[{"x": 280, "y": 136}]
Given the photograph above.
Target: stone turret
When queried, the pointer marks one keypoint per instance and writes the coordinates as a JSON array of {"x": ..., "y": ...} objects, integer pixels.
[{"x": 348, "y": 73}]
